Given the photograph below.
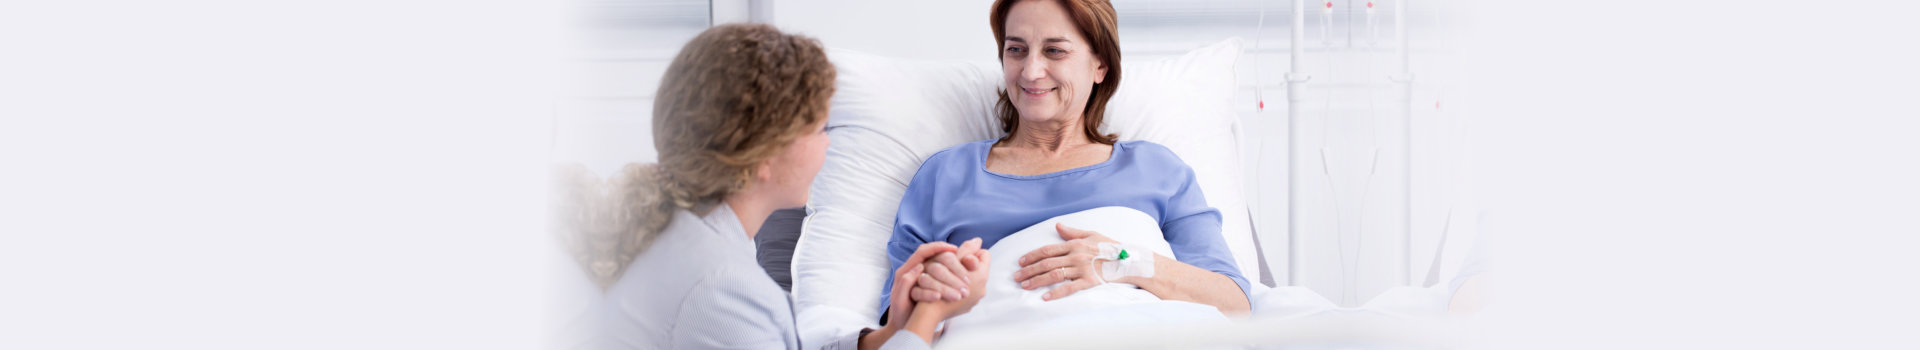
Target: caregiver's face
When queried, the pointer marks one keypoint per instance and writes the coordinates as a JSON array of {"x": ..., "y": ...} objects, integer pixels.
[
  {"x": 795, "y": 167},
  {"x": 1049, "y": 67}
]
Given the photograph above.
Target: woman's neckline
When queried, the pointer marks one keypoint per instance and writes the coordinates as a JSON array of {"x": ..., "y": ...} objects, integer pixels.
[{"x": 987, "y": 151}]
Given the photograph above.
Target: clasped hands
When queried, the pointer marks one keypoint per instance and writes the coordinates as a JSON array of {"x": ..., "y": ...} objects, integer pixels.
[
  {"x": 951, "y": 279},
  {"x": 941, "y": 280}
]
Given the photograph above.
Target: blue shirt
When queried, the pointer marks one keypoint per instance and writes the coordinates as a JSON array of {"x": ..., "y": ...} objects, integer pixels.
[{"x": 954, "y": 198}]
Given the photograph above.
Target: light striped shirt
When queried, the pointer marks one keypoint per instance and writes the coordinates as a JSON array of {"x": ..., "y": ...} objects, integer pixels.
[{"x": 698, "y": 286}]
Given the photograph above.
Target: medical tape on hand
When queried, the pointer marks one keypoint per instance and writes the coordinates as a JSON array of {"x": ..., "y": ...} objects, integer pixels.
[{"x": 1124, "y": 260}]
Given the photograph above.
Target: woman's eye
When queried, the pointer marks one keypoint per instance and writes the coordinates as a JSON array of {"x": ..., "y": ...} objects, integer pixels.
[
  {"x": 1015, "y": 50},
  {"x": 1053, "y": 51}
]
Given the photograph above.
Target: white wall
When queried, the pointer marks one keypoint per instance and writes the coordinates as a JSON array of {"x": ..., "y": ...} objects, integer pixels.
[
  {"x": 1355, "y": 241},
  {"x": 615, "y": 56},
  {"x": 948, "y": 29}
]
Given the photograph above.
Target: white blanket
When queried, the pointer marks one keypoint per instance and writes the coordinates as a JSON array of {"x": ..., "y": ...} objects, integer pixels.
[{"x": 1006, "y": 305}]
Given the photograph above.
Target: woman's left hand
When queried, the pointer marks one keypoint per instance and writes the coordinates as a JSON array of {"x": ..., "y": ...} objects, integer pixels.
[{"x": 1070, "y": 261}]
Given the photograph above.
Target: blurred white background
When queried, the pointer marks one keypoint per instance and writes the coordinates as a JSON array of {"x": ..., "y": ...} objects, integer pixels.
[{"x": 227, "y": 174}]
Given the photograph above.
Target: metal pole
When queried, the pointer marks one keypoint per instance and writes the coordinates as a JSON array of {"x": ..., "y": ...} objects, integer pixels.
[
  {"x": 1405, "y": 80},
  {"x": 1296, "y": 98}
]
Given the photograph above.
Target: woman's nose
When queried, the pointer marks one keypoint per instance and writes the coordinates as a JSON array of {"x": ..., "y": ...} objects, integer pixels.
[{"x": 1034, "y": 71}]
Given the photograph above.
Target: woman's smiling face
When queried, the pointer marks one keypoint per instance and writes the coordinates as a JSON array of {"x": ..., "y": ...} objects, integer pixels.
[{"x": 1050, "y": 68}]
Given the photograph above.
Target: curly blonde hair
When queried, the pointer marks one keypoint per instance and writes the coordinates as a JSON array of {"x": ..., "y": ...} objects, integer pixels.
[{"x": 734, "y": 97}]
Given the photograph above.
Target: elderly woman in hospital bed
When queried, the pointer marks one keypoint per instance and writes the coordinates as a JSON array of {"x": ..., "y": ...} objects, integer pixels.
[
  {"x": 1049, "y": 175},
  {"x": 1060, "y": 61}
]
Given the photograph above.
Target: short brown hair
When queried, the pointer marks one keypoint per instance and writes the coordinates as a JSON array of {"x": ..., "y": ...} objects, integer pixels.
[{"x": 1098, "y": 23}]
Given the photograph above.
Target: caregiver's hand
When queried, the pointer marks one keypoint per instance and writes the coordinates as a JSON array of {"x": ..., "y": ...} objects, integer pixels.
[
  {"x": 1070, "y": 261},
  {"x": 975, "y": 264},
  {"x": 928, "y": 315},
  {"x": 946, "y": 276},
  {"x": 900, "y": 309}
]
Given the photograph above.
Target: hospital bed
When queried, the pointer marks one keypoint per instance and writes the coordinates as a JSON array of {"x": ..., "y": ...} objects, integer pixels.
[{"x": 889, "y": 114}]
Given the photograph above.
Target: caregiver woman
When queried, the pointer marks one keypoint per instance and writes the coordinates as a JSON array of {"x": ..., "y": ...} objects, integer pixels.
[
  {"x": 1061, "y": 63},
  {"x": 739, "y": 124}
]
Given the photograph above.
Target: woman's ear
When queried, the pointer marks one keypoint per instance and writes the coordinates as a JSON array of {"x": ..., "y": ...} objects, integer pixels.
[
  {"x": 764, "y": 172},
  {"x": 1099, "y": 71}
]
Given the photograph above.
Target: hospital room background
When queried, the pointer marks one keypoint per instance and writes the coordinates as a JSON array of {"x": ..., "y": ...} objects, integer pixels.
[
  {"x": 1358, "y": 124},
  {"x": 1346, "y": 119},
  {"x": 1380, "y": 172},
  {"x": 374, "y": 174}
]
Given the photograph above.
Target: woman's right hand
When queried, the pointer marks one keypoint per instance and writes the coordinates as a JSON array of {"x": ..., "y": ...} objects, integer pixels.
[
  {"x": 901, "y": 310},
  {"x": 926, "y": 316},
  {"x": 976, "y": 264},
  {"x": 945, "y": 277},
  {"x": 906, "y": 279}
]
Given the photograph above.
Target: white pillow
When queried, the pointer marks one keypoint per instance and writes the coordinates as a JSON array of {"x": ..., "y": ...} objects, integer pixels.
[{"x": 888, "y": 115}]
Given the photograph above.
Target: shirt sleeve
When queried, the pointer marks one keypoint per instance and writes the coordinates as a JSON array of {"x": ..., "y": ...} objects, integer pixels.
[
  {"x": 1193, "y": 227},
  {"x": 849, "y": 341},
  {"x": 902, "y": 340},
  {"x": 724, "y": 311},
  {"x": 910, "y": 223}
]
